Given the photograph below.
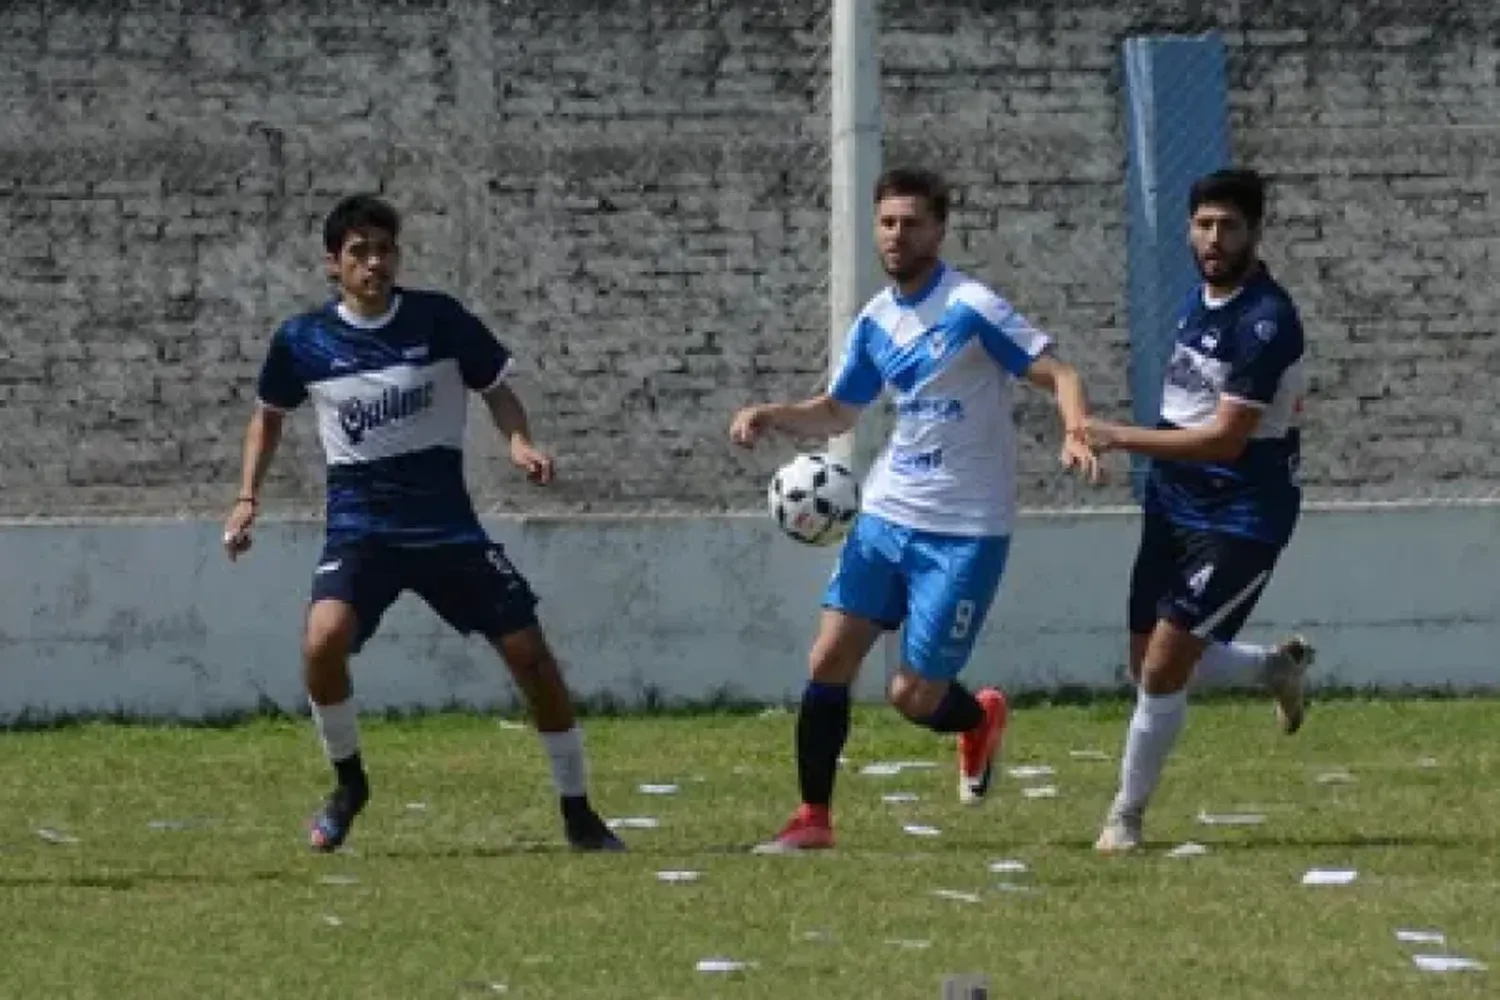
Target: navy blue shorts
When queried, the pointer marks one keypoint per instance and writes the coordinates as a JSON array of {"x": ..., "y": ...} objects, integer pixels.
[
  {"x": 1205, "y": 582},
  {"x": 472, "y": 586}
]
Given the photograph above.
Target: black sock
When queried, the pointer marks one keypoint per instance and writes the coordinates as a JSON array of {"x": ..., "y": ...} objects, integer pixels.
[
  {"x": 958, "y": 712},
  {"x": 351, "y": 773},
  {"x": 822, "y": 728}
]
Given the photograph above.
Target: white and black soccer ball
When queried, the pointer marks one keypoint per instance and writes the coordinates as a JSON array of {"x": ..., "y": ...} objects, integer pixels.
[{"x": 814, "y": 499}]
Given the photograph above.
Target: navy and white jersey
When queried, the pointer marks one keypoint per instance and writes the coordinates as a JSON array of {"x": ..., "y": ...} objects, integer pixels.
[
  {"x": 391, "y": 397},
  {"x": 1248, "y": 348},
  {"x": 950, "y": 352}
]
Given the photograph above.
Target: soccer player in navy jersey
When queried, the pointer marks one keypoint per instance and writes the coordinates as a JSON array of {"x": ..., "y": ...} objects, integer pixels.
[
  {"x": 389, "y": 370},
  {"x": 1222, "y": 498}
]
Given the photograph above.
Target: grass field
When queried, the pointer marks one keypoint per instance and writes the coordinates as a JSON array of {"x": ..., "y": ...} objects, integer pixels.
[{"x": 188, "y": 878}]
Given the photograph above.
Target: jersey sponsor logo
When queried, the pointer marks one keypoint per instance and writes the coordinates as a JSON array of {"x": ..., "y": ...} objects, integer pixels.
[
  {"x": 917, "y": 463},
  {"x": 357, "y": 416},
  {"x": 940, "y": 409},
  {"x": 1185, "y": 373}
]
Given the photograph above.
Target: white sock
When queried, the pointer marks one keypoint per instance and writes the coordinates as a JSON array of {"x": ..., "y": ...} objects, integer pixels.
[
  {"x": 338, "y": 728},
  {"x": 569, "y": 765},
  {"x": 1153, "y": 732},
  {"x": 1233, "y": 664}
]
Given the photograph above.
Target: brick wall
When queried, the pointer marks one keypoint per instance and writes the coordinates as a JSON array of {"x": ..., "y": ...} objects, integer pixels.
[{"x": 634, "y": 196}]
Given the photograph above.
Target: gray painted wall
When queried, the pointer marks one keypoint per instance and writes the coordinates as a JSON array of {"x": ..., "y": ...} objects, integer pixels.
[{"x": 149, "y": 618}]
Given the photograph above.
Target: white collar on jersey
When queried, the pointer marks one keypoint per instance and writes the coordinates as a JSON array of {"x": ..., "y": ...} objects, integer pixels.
[
  {"x": 370, "y": 323},
  {"x": 1215, "y": 302}
]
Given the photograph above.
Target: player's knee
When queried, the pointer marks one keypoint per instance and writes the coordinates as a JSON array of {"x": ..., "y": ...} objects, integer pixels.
[
  {"x": 525, "y": 652},
  {"x": 834, "y": 659},
  {"x": 330, "y": 633},
  {"x": 914, "y": 696}
]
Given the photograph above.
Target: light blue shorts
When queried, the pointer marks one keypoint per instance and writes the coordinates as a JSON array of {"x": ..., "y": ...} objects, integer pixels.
[{"x": 940, "y": 586}]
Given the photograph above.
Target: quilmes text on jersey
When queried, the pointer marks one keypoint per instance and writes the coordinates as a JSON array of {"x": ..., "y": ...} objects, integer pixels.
[{"x": 357, "y": 416}]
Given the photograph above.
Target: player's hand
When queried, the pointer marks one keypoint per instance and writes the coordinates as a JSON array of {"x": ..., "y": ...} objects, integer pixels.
[
  {"x": 237, "y": 529},
  {"x": 1102, "y": 435},
  {"x": 536, "y": 465},
  {"x": 747, "y": 427},
  {"x": 1077, "y": 455}
]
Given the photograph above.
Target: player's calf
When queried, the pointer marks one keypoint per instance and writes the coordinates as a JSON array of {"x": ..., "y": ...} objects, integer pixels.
[{"x": 536, "y": 673}]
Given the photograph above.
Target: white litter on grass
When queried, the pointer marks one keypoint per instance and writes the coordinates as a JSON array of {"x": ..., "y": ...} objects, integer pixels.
[
  {"x": 1188, "y": 850},
  {"x": 1447, "y": 963},
  {"x": 1427, "y": 762},
  {"x": 332, "y": 921},
  {"x": 1088, "y": 755},
  {"x": 896, "y": 797},
  {"x": 1420, "y": 937},
  {"x": 678, "y": 876},
  {"x": 339, "y": 880},
  {"x": 509, "y": 724},
  {"x": 1335, "y": 778},
  {"x": 665, "y": 789},
  {"x": 52, "y": 836},
  {"x": 1329, "y": 876},
  {"x": 1040, "y": 792},
  {"x": 722, "y": 965},
  {"x": 921, "y": 830},
  {"x": 1008, "y": 865},
  {"x": 484, "y": 987},
  {"x": 908, "y": 943},
  {"x": 634, "y": 823},
  {"x": 956, "y": 895},
  {"x": 1031, "y": 771},
  {"x": 416, "y": 807},
  {"x": 176, "y": 824},
  {"x": 1231, "y": 819},
  {"x": 817, "y": 935},
  {"x": 1015, "y": 887}
]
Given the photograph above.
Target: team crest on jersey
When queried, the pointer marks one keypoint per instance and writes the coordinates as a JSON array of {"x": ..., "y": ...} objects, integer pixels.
[
  {"x": 937, "y": 345},
  {"x": 1265, "y": 329}
]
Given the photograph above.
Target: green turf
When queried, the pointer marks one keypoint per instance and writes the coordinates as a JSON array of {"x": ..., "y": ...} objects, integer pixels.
[{"x": 476, "y": 888}]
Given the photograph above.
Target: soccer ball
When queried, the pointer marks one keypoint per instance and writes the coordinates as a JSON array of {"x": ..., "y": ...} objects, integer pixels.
[{"x": 814, "y": 499}]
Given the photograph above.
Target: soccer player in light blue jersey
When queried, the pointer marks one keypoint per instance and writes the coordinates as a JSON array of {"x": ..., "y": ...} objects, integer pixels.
[
  {"x": 1222, "y": 498},
  {"x": 388, "y": 370},
  {"x": 929, "y": 545}
]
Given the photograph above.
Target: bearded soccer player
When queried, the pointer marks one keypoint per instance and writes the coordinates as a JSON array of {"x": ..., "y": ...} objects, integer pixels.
[
  {"x": 1222, "y": 498},
  {"x": 929, "y": 545},
  {"x": 389, "y": 370}
]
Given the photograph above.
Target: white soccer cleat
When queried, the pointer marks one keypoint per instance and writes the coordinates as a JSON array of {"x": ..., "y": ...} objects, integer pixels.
[
  {"x": 1121, "y": 833},
  {"x": 1286, "y": 673}
]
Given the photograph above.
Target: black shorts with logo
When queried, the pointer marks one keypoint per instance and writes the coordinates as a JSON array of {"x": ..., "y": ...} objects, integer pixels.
[
  {"x": 472, "y": 585},
  {"x": 1206, "y": 582}
]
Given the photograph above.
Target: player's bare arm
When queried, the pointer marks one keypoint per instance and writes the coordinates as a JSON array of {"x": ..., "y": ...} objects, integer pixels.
[
  {"x": 820, "y": 416},
  {"x": 1221, "y": 440},
  {"x": 1066, "y": 386},
  {"x": 262, "y": 435},
  {"x": 509, "y": 416}
]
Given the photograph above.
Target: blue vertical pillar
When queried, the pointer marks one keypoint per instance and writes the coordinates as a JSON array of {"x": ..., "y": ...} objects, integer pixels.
[{"x": 1176, "y": 129}]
